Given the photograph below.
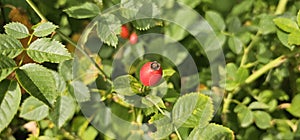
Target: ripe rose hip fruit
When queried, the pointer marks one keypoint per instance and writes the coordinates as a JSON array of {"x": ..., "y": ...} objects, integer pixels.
[
  {"x": 124, "y": 32},
  {"x": 133, "y": 38},
  {"x": 150, "y": 73}
]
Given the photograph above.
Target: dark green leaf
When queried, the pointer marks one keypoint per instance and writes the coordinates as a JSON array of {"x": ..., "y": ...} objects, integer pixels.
[
  {"x": 33, "y": 109},
  {"x": 16, "y": 30},
  {"x": 39, "y": 82},
  {"x": 7, "y": 66},
  {"x": 10, "y": 46},
  {"x": 211, "y": 132},
  {"x": 192, "y": 110},
  {"x": 10, "y": 101},
  {"x": 86, "y": 10},
  {"x": 262, "y": 119},
  {"x": 44, "y": 29},
  {"x": 47, "y": 50},
  {"x": 286, "y": 24}
]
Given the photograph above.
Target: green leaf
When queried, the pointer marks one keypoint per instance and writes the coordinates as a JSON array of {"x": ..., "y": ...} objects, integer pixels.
[
  {"x": 283, "y": 38},
  {"x": 44, "y": 29},
  {"x": 86, "y": 10},
  {"x": 215, "y": 20},
  {"x": 10, "y": 46},
  {"x": 144, "y": 12},
  {"x": 192, "y": 110},
  {"x": 90, "y": 133},
  {"x": 258, "y": 105},
  {"x": 294, "y": 38},
  {"x": 47, "y": 50},
  {"x": 64, "y": 109},
  {"x": 127, "y": 85},
  {"x": 39, "y": 82},
  {"x": 294, "y": 109},
  {"x": 168, "y": 72},
  {"x": 235, "y": 44},
  {"x": 144, "y": 24},
  {"x": 151, "y": 100},
  {"x": 298, "y": 18},
  {"x": 7, "y": 66},
  {"x": 211, "y": 132},
  {"x": 286, "y": 24},
  {"x": 244, "y": 114},
  {"x": 164, "y": 127},
  {"x": 10, "y": 101},
  {"x": 190, "y": 3},
  {"x": 65, "y": 69},
  {"x": 235, "y": 76},
  {"x": 79, "y": 90},
  {"x": 175, "y": 32},
  {"x": 16, "y": 30},
  {"x": 108, "y": 27},
  {"x": 242, "y": 7},
  {"x": 34, "y": 109},
  {"x": 266, "y": 24},
  {"x": 262, "y": 119}
]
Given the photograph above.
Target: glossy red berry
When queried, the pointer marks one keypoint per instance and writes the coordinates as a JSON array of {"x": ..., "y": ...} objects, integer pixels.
[
  {"x": 133, "y": 38},
  {"x": 150, "y": 73},
  {"x": 124, "y": 32}
]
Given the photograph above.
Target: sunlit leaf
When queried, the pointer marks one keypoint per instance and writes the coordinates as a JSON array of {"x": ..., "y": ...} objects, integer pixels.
[
  {"x": 10, "y": 46},
  {"x": 33, "y": 109},
  {"x": 192, "y": 110},
  {"x": 86, "y": 10},
  {"x": 10, "y": 98},
  {"x": 16, "y": 30},
  {"x": 47, "y": 50}
]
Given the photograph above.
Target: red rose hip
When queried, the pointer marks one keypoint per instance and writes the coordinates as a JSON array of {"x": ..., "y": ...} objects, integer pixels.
[
  {"x": 124, "y": 32},
  {"x": 133, "y": 38},
  {"x": 150, "y": 73}
]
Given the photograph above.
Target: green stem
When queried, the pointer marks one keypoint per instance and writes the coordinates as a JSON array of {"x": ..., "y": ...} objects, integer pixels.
[
  {"x": 84, "y": 53},
  {"x": 227, "y": 101},
  {"x": 36, "y": 10},
  {"x": 159, "y": 109},
  {"x": 177, "y": 133},
  {"x": 281, "y": 7},
  {"x": 276, "y": 62},
  {"x": 139, "y": 117},
  {"x": 248, "y": 49}
]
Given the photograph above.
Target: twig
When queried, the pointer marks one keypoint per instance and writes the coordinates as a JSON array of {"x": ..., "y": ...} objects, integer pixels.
[{"x": 36, "y": 10}]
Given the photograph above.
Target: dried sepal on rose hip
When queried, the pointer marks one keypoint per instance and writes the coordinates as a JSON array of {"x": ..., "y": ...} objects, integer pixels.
[
  {"x": 124, "y": 32},
  {"x": 150, "y": 73}
]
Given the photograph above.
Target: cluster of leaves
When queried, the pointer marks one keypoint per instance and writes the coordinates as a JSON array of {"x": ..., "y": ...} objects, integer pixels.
[{"x": 260, "y": 41}]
